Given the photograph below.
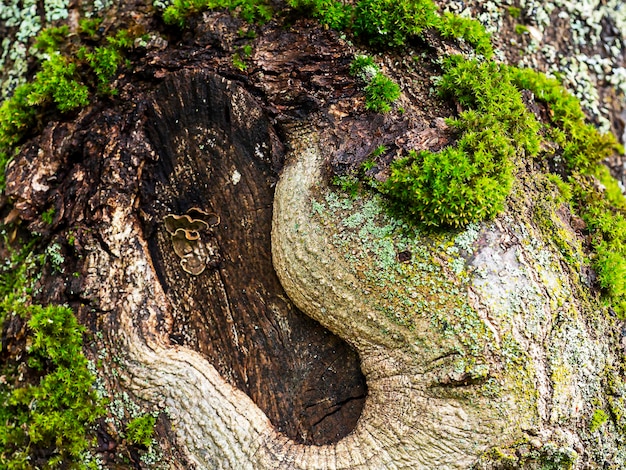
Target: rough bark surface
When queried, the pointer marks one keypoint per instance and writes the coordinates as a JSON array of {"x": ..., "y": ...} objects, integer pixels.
[
  {"x": 217, "y": 151},
  {"x": 317, "y": 347}
]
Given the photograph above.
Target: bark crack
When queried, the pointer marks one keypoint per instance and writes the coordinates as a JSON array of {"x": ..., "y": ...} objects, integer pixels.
[{"x": 337, "y": 407}]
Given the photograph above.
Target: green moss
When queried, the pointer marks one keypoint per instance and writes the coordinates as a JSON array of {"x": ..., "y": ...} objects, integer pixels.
[
  {"x": 611, "y": 189},
  {"x": 104, "y": 61},
  {"x": 122, "y": 39},
  {"x": 470, "y": 181},
  {"x": 393, "y": 22},
  {"x": 140, "y": 430},
  {"x": 348, "y": 184},
  {"x": 580, "y": 147},
  {"x": 380, "y": 91},
  {"x": 64, "y": 82},
  {"x": 378, "y": 151},
  {"x": 606, "y": 221},
  {"x": 521, "y": 29},
  {"x": 50, "y": 39},
  {"x": 472, "y": 31},
  {"x": 446, "y": 188},
  {"x": 253, "y": 11},
  {"x": 515, "y": 12},
  {"x": 240, "y": 57},
  {"x": 47, "y": 419},
  {"x": 387, "y": 23},
  {"x": 493, "y": 97},
  {"x": 581, "y": 143},
  {"x": 598, "y": 418},
  {"x": 16, "y": 117},
  {"x": 331, "y": 13},
  {"x": 89, "y": 26},
  {"x": 364, "y": 67},
  {"x": 58, "y": 83},
  {"x": 48, "y": 216}
]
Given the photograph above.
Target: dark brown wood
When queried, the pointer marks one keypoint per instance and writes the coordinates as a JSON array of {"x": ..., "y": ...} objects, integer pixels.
[{"x": 218, "y": 152}]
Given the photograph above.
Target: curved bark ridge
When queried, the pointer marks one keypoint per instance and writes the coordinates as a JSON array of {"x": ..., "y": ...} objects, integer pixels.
[
  {"x": 485, "y": 328},
  {"x": 456, "y": 333}
]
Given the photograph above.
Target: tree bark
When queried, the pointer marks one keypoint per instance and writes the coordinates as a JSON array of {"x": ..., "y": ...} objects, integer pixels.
[{"x": 287, "y": 325}]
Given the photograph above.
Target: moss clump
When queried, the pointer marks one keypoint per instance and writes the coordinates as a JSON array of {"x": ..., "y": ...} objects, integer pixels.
[
  {"x": 580, "y": 147},
  {"x": 521, "y": 29},
  {"x": 104, "y": 61},
  {"x": 89, "y": 26},
  {"x": 515, "y": 12},
  {"x": 239, "y": 57},
  {"x": 65, "y": 82},
  {"x": 50, "y": 39},
  {"x": 470, "y": 30},
  {"x": 389, "y": 23},
  {"x": 386, "y": 23},
  {"x": 470, "y": 181},
  {"x": 331, "y": 13},
  {"x": 380, "y": 91},
  {"x": 581, "y": 144},
  {"x": 393, "y": 22},
  {"x": 607, "y": 224},
  {"x": 58, "y": 83},
  {"x": 598, "y": 418},
  {"x": 253, "y": 11},
  {"x": 16, "y": 117},
  {"x": 45, "y": 418},
  {"x": 140, "y": 430}
]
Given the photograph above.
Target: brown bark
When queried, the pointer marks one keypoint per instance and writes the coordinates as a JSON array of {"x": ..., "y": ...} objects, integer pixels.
[
  {"x": 224, "y": 157},
  {"x": 249, "y": 378},
  {"x": 192, "y": 141}
]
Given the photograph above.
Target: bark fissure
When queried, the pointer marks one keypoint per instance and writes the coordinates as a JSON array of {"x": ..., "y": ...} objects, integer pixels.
[{"x": 336, "y": 407}]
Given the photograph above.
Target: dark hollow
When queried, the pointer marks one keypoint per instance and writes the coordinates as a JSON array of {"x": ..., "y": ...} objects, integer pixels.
[{"x": 206, "y": 131}]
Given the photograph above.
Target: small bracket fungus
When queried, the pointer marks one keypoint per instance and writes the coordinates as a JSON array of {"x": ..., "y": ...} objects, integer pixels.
[{"x": 185, "y": 231}]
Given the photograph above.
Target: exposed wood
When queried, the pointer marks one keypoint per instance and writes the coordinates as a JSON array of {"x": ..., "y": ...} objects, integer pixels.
[
  {"x": 222, "y": 156},
  {"x": 207, "y": 263}
]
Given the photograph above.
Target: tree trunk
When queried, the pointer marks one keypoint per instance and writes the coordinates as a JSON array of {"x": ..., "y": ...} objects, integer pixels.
[{"x": 273, "y": 321}]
